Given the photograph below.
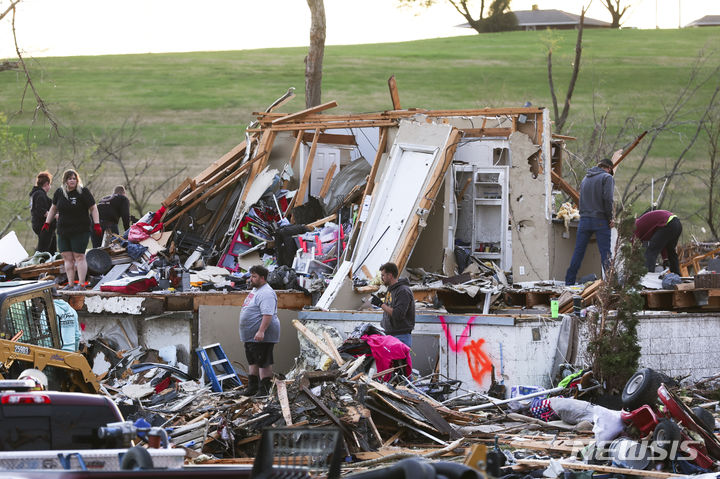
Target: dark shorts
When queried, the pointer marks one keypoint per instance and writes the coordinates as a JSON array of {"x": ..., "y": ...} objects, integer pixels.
[
  {"x": 76, "y": 243},
  {"x": 259, "y": 354}
]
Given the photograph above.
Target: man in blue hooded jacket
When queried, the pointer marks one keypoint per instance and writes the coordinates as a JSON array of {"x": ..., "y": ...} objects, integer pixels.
[{"x": 596, "y": 215}]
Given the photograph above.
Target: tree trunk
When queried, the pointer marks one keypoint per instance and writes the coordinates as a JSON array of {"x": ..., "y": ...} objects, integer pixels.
[{"x": 314, "y": 58}]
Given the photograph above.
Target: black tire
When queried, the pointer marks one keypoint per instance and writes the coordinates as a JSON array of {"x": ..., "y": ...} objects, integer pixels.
[
  {"x": 641, "y": 389},
  {"x": 136, "y": 458},
  {"x": 666, "y": 434},
  {"x": 706, "y": 419}
]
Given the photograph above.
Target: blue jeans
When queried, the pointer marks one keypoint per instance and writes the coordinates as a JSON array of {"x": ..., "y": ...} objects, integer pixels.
[
  {"x": 406, "y": 339},
  {"x": 587, "y": 227}
]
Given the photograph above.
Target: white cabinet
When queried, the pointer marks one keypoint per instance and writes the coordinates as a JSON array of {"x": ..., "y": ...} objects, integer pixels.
[{"x": 483, "y": 211}]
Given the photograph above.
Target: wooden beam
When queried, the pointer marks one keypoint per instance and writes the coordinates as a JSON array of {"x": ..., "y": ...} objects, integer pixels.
[
  {"x": 177, "y": 192},
  {"x": 291, "y": 300},
  {"x": 332, "y": 139},
  {"x": 225, "y": 160},
  {"x": 262, "y": 154},
  {"x": 283, "y": 399},
  {"x": 296, "y": 147},
  {"x": 324, "y": 125},
  {"x": 212, "y": 181},
  {"x": 565, "y": 187},
  {"x": 394, "y": 95},
  {"x": 305, "y": 112},
  {"x": 629, "y": 148},
  {"x": 481, "y": 132},
  {"x": 314, "y": 340},
  {"x": 327, "y": 180},
  {"x": 333, "y": 349},
  {"x": 305, "y": 183},
  {"x": 321, "y": 221}
]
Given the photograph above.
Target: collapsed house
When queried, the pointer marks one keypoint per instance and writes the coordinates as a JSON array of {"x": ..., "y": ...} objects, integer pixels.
[{"x": 464, "y": 201}]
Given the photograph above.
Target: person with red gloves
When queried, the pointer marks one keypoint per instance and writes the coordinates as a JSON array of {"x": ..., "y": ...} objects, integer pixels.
[{"x": 75, "y": 206}]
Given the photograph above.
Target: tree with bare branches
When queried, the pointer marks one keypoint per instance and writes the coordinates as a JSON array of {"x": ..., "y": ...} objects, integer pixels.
[
  {"x": 616, "y": 11},
  {"x": 314, "y": 58},
  {"x": 496, "y": 18},
  {"x": 561, "y": 118}
]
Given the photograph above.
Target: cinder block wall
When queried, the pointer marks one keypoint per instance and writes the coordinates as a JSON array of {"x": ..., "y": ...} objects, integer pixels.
[{"x": 677, "y": 344}]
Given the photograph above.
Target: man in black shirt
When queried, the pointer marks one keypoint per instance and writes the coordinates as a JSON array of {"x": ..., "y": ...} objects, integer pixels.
[
  {"x": 112, "y": 209},
  {"x": 399, "y": 305}
]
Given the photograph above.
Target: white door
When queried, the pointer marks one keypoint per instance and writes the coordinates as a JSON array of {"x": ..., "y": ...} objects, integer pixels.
[{"x": 325, "y": 156}]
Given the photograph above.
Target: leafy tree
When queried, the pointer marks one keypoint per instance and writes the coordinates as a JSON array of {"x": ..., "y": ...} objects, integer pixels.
[
  {"x": 613, "y": 347},
  {"x": 616, "y": 11},
  {"x": 497, "y": 18}
]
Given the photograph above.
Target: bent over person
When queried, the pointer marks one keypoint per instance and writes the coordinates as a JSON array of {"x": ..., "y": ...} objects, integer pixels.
[
  {"x": 399, "y": 305},
  {"x": 260, "y": 331},
  {"x": 661, "y": 229}
]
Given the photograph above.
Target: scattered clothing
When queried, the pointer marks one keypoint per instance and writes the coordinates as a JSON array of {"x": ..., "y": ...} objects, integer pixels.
[{"x": 385, "y": 349}]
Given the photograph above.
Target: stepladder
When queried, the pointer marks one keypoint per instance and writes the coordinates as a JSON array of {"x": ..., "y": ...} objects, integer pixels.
[{"x": 217, "y": 367}]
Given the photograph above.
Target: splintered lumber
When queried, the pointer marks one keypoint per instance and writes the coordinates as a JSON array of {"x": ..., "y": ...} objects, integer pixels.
[
  {"x": 587, "y": 295},
  {"x": 598, "y": 468},
  {"x": 262, "y": 153},
  {"x": 629, "y": 149},
  {"x": 299, "y": 197},
  {"x": 565, "y": 187},
  {"x": 317, "y": 342},
  {"x": 325, "y": 410},
  {"x": 33, "y": 271},
  {"x": 326, "y": 125},
  {"x": 220, "y": 164},
  {"x": 333, "y": 349},
  {"x": 326, "y": 182},
  {"x": 394, "y": 95},
  {"x": 283, "y": 399},
  {"x": 321, "y": 221},
  {"x": 177, "y": 192},
  {"x": 296, "y": 147},
  {"x": 305, "y": 112}
]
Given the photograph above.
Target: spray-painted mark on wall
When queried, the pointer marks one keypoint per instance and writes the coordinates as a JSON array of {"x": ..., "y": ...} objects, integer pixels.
[
  {"x": 456, "y": 347},
  {"x": 478, "y": 361}
]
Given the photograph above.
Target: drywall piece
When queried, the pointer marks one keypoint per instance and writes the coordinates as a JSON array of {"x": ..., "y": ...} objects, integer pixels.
[
  {"x": 11, "y": 251},
  {"x": 415, "y": 166},
  {"x": 332, "y": 290},
  {"x": 114, "y": 304},
  {"x": 528, "y": 207}
]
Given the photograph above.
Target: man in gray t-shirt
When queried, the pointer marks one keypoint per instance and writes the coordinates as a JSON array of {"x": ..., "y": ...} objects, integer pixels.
[{"x": 259, "y": 330}]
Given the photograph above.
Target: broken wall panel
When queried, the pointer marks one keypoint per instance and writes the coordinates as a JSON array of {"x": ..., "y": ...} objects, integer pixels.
[{"x": 403, "y": 183}]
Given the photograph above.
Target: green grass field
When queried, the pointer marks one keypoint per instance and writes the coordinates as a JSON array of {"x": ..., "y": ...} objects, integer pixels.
[{"x": 193, "y": 107}]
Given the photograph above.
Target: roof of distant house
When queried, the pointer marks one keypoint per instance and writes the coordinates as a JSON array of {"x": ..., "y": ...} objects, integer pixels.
[
  {"x": 550, "y": 18},
  {"x": 706, "y": 21}
]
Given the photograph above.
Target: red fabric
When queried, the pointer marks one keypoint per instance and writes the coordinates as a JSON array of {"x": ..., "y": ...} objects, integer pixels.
[
  {"x": 385, "y": 349},
  {"x": 98, "y": 229},
  {"x": 141, "y": 285},
  {"x": 45, "y": 227},
  {"x": 647, "y": 224}
]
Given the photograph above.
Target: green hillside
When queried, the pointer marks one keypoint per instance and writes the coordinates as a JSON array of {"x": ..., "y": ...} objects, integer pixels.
[{"x": 193, "y": 107}]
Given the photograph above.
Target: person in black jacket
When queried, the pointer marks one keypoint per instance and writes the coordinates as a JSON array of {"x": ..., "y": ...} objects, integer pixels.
[
  {"x": 40, "y": 204},
  {"x": 75, "y": 206},
  {"x": 399, "y": 305},
  {"x": 112, "y": 209}
]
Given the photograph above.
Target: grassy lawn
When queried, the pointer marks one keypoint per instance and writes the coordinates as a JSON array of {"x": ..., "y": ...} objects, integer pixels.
[{"x": 193, "y": 107}]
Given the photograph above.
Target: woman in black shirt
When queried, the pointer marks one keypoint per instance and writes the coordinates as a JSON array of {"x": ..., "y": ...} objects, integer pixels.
[
  {"x": 40, "y": 204},
  {"x": 74, "y": 205}
]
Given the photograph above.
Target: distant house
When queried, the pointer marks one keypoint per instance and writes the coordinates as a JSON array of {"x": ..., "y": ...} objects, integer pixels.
[
  {"x": 557, "y": 19},
  {"x": 706, "y": 21}
]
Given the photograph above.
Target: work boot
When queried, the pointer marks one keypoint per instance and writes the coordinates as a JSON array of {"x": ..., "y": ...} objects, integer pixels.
[
  {"x": 264, "y": 389},
  {"x": 252, "y": 386}
]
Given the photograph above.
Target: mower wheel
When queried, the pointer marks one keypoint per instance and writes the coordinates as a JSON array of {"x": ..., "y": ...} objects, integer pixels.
[{"x": 641, "y": 389}]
